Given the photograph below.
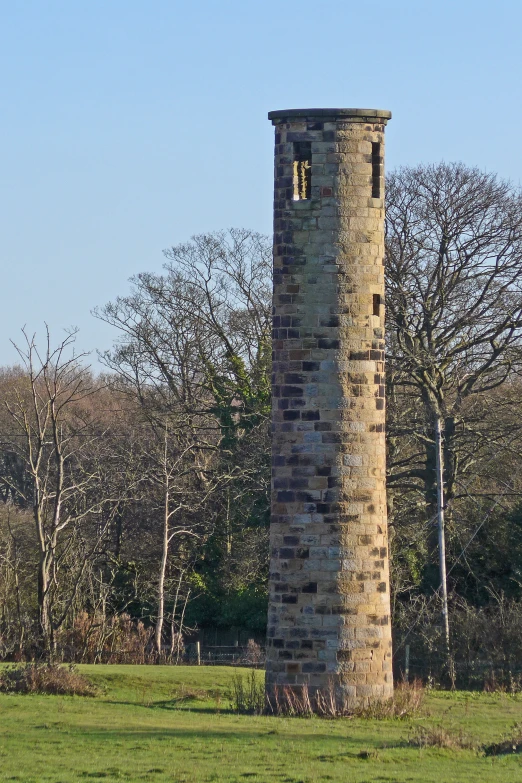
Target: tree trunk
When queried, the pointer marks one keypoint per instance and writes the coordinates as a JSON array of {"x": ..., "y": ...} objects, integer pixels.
[
  {"x": 442, "y": 547},
  {"x": 430, "y": 500},
  {"x": 174, "y": 641},
  {"x": 44, "y": 609},
  {"x": 161, "y": 581}
]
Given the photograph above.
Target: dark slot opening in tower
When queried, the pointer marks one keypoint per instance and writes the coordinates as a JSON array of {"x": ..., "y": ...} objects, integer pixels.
[
  {"x": 376, "y": 304},
  {"x": 302, "y": 170},
  {"x": 376, "y": 169}
]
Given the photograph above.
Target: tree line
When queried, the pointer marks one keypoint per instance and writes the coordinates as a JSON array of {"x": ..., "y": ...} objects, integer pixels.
[{"x": 135, "y": 503}]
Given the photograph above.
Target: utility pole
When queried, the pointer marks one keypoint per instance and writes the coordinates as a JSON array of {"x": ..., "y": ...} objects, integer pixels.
[{"x": 442, "y": 543}]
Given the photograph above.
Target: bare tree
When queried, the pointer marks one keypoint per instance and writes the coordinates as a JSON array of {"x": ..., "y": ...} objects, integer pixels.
[
  {"x": 194, "y": 351},
  {"x": 202, "y": 328},
  {"x": 172, "y": 469},
  {"x": 454, "y": 301},
  {"x": 454, "y": 324},
  {"x": 53, "y": 435}
]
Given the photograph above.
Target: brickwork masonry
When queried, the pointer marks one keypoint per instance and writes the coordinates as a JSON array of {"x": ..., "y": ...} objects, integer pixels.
[{"x": 329, "y": 612}]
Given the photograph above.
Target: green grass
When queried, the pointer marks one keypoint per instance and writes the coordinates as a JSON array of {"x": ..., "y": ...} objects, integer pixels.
[{"x": 173, "y": 724}]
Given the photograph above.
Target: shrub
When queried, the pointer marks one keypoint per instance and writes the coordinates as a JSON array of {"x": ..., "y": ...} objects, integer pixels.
[
  {"x": 440, "y": 737},
  {"x": 486, "y": 642},
  {"x": 253, "y": 654},
  {"x": 99, "y": 639},
  {"x": 45, "y": 678},
  {"x": 502, "y": 682},
  {"x": 247, "y": 694},
  {"x": 407, "y": 701},
  {"x": 511, "y": 743},
  {"x": 177, "y": 648}
]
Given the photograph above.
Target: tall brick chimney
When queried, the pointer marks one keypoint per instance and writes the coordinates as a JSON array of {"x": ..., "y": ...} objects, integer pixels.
[{"x": 329, "y": 614}]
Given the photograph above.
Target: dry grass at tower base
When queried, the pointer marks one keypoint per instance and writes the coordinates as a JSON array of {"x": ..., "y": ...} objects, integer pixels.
[{"x": 330, "y": 702}]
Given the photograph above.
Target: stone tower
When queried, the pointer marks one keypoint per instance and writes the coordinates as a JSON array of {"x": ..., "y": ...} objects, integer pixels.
[{"x": 329, "y": 614}]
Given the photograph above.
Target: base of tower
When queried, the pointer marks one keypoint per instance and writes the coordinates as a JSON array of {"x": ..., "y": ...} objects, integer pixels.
[{"x": 331, "y": 699}]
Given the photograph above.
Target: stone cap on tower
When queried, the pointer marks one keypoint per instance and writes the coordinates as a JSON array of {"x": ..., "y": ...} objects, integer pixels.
[{"x": 361, "y": 115}]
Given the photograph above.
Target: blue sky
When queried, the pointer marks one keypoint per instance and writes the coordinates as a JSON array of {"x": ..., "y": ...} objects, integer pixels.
[{"x": 129, "y": 125}]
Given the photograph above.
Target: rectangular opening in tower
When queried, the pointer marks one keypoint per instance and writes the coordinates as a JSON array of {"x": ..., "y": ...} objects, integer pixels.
[
  {"x": 376, "y": 304},
  {"x": 302, "y": 170},
  {"x": 376, "y": 169}
]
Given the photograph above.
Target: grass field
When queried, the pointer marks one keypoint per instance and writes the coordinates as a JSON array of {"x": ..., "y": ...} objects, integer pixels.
[{"x": 174, "y": 724}]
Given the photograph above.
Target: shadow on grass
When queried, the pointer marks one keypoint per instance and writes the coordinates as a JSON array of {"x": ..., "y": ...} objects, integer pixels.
[
  {"x": 175, "y": 705},
  {"x": 363, "y": 748}
]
